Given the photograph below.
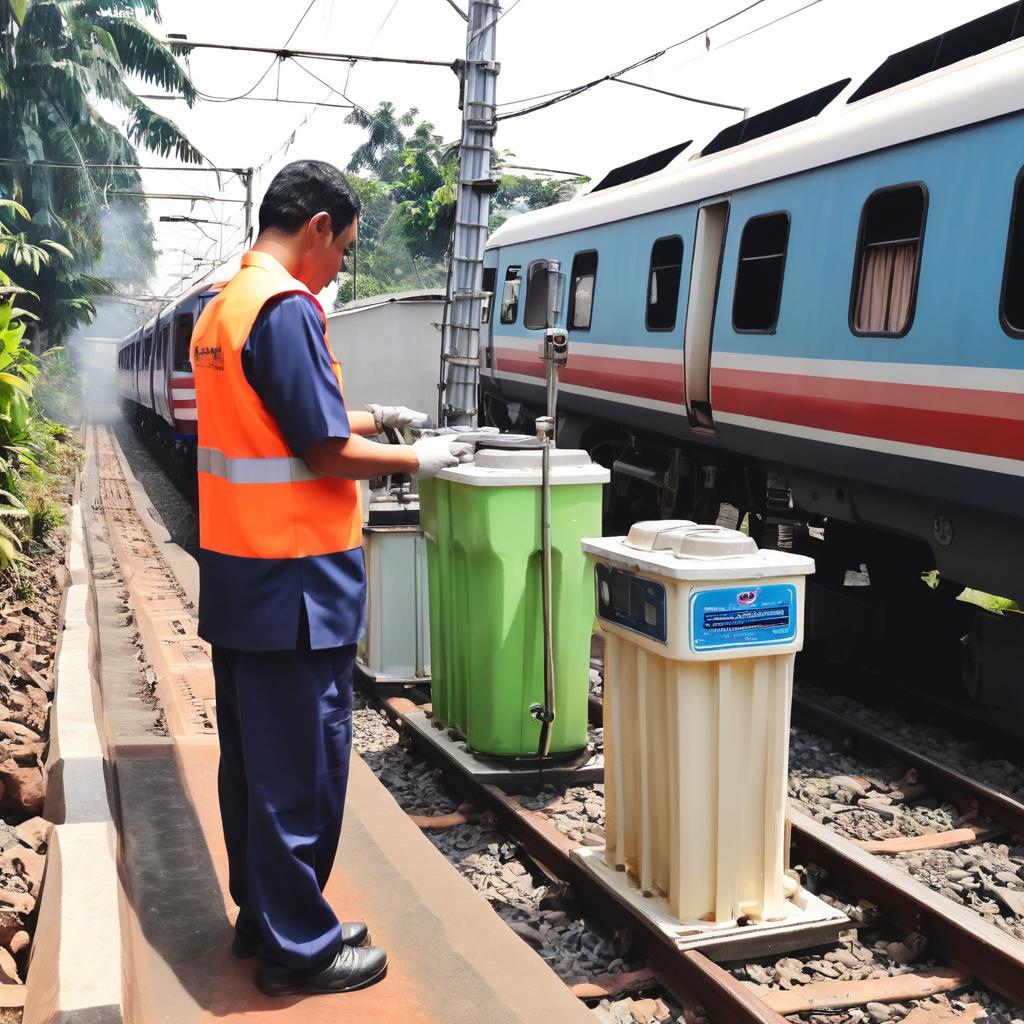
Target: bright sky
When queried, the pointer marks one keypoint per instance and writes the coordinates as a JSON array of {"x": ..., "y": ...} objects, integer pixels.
[{"x": 542, "y": 45}]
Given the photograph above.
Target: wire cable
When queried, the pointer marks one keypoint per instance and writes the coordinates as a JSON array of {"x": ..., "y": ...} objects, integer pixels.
[
  {"x": 769, "y": 24},
  {"x": 650, "y": 58},
  {"x": 213, "y": 98},
  {"x": 380, "y": 27}
]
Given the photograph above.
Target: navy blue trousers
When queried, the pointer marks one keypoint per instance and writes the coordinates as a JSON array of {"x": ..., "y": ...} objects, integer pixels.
[{"x": 285, "y": 725}]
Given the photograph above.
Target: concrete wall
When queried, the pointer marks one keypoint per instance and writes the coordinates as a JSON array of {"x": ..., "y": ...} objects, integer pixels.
[{"x": 389, "y": 350}]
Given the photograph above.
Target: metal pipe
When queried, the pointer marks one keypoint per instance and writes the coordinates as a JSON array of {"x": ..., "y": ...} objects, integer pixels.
[{"x": 545, "y": 568}]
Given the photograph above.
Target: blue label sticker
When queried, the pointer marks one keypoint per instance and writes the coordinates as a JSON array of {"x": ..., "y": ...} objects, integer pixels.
[{"x": 734, "y": 617}]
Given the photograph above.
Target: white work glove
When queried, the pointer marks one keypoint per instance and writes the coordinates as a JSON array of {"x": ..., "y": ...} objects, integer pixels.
[
  {"x": 437, "y": 453},
  {"x": 398, "y": 417}
]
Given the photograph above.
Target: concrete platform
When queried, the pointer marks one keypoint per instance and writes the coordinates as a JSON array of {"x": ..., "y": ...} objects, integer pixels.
[{"x": 452, "y": 959}]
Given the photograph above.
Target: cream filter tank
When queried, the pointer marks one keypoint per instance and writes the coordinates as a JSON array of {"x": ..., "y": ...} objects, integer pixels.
[{"x": 701, "y": 630}]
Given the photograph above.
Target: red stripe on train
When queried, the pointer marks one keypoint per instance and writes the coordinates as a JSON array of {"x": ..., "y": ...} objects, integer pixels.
[
  {"x": 662, "y": 382},
  {"x": 956, "y": 419}
]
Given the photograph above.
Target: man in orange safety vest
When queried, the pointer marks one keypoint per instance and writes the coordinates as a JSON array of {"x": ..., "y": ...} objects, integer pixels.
[{"x": 282, "y": 585}]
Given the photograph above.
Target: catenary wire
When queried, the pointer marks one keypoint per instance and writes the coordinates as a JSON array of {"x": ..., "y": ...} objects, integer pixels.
[
  {"x": 380, "y": 27},
  {"x": 212, "y": 98},
  {"x": 246, "y": 99},
  {"x": 650, "y": 58},
  {"x": 769, "y": 24}
]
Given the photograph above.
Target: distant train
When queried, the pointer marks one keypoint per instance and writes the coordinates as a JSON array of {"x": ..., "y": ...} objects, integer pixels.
[
  {"x": 155, "y": 387},
  {"x": 820, "y": 315}
]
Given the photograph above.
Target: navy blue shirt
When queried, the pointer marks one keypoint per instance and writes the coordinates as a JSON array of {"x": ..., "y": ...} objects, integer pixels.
[{"x": 280, "y": 604}]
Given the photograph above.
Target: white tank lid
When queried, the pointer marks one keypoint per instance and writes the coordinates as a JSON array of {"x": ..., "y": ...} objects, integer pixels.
[
  {"x": 654, "y": 534},
  {"x": 710, "y": 542},
  {"x": 686, "y": 539},
  {"x": 494, "y": 467},
  {"x": 682, "y": 550}
]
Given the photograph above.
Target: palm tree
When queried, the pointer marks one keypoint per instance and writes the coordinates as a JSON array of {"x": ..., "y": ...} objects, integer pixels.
[
  {"x": 380, "y": 153},
  {"x": 66, "y": 56}
]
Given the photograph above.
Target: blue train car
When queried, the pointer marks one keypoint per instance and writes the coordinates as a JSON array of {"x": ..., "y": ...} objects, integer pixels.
[{"x": 818, "y": 318}]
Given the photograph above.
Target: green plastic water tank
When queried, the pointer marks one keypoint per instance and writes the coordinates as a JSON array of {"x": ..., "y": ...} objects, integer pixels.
[{"x": 482, "y": 522}]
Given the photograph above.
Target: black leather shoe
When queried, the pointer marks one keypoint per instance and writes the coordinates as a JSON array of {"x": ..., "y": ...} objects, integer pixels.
[
  {"x": 353, "y": 933},
  {"x": 353, "y": 968}
]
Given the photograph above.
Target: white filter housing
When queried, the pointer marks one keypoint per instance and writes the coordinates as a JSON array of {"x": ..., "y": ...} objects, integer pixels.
[
  {"x": 396, "y": 645},
  {"x": 701, "y": 630}
]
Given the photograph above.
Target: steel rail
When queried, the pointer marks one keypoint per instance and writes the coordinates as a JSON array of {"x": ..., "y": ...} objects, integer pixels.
[
  {"x": 969, "y": 795},
  {"x": 687, "y": 975},
  {"x": 957, "y": 932}
]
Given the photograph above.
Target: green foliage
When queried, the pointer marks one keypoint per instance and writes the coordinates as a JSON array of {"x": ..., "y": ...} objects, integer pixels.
[
  {"x": 407, "y": 183},
  {"x": 58, "y": 387},
  {"x": 67, "y": 56},
  {"x": 30, "y": 444}
]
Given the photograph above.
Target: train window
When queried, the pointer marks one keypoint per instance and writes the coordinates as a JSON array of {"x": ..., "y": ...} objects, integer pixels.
[
  {"x": 489, "y": 280},
  {"x": 762, "y": 260},
  {"x": 1011, "y": 305},
  {"x": 581, "y": 290},
  {"x": 182, "y": 342},
  {"x": 888, "y": 262},
  {"x": 147, "y": 350},
  {"x": 663, "y": 283},
  {"x": 510, "y": 296},
  {"x": 161, "y": 352}
]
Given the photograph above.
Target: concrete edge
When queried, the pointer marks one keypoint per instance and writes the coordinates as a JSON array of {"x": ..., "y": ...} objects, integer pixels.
[{"x": 79, "y": 901}]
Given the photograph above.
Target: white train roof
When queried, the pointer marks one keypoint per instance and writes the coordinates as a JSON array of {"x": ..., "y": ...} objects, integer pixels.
[{"x": 987, "y": 86}]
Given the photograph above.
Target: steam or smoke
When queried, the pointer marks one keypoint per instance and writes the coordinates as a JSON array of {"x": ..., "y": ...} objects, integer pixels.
[
  {"x": 127, "y": 263},
  {"x": 94, "y": 348}
]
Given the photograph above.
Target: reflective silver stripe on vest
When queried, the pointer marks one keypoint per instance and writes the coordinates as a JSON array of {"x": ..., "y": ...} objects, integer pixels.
[{"x": 276, "y": 470}]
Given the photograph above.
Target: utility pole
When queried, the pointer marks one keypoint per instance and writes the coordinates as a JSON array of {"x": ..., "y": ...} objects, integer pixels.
[{"x": 460, "y": 355}]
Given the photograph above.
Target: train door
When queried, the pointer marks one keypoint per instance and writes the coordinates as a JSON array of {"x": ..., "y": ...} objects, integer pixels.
[
  {"x": 705, "y": 274},
  {"x": 160, "y": 374}
]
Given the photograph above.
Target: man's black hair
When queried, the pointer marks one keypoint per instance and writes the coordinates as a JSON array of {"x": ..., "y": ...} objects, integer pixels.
[{"x": 304, "y": 188}]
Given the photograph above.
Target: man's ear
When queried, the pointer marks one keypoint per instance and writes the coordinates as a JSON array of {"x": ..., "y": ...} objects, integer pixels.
[{"x": 320, "y": 228}]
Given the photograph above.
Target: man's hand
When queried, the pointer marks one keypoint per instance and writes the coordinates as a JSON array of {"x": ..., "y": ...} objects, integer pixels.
[
  {"x": 437, "y": 453},
  {"x": 398, "y": 417}
]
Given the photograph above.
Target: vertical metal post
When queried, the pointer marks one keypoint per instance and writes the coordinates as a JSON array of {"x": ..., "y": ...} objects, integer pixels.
[
  {"x": 460, "y": 353},
  {"x": 247, "y": 179}
]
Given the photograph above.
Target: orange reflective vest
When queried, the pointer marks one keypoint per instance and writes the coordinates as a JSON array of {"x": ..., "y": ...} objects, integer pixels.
[{"x": 257, "y": 499}]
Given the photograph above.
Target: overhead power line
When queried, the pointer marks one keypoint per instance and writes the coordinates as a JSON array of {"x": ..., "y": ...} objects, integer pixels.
[
  {"x": 246, "y": 99},
  {"x": 541, "y": 170},
  {"x": 650, "y": 58},
  {"x": 285, "y": 54},
  {"x": 775, "y": 21},
  {"x": 174, "y": 195},
  {"x": 118, "y": 167},
  {"x": 270, "y": 67},
  {"x": 681, "y": 96}
]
